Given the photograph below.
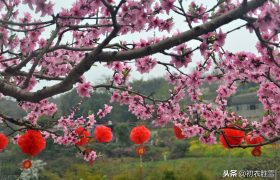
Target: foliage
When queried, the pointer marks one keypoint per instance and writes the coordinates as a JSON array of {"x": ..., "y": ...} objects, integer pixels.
[
  {"x": 197, "y": 149},
  {"x": 122, "y": 131},
  {"x": 11, "y": 108},
  {"x": 156, "y": 87},
  {"x": 179, "y": 149},
  {"x": 162, "y": 171}
]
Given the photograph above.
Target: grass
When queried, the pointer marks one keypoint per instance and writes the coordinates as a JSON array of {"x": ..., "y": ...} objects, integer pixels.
[{"x": 193, "y": 168}]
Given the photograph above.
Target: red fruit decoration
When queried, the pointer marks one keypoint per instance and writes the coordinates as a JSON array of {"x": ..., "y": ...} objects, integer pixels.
[
  {"x": 103, "y": 134},
  {"x": 178, "y": 132},
  {"x": 26, "y": 164},
  {"x": 139, "y": 135},
  {"x": 3, "y": 141},
  {"x": 233, "y": 137},
  {"x": 32, "y": 142},
  {"x": 83, "y": 135}
]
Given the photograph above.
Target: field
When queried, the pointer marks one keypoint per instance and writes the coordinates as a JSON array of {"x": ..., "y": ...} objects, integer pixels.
[
  {"x": 200, "y": 168},
  {"x": 197, "y": 162}
]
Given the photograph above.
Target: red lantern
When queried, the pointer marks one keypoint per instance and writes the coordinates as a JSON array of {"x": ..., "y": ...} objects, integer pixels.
[
  {"x": 140, "y": 135},
  {"x": 253, "y": 140},
  {"x": 103, "y": 134},
  {"x": 233, "y": 137},
  {"x": 26, "y": 164},
  {"x": 32, "y": 142},
  {"x": 256, "y": 151},
  {"x": 178, "y": 132},
  {"x": 3, "y": 141},
  {"x": 140, "y": 150},
  {"x": 83, "y": 134}
]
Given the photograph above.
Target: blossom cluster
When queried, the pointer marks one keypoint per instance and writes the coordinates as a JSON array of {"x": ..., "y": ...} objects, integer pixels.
[{"x": 36, "y": 110}]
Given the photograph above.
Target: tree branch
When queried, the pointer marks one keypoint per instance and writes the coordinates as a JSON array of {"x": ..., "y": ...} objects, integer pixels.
[{"x": 98, "y": 55}]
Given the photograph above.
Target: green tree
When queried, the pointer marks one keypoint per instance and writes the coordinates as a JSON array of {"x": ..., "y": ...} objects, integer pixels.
[{"x": 122, "y": 133}]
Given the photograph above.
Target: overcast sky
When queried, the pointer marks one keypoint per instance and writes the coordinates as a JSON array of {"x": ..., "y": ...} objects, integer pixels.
[{"x": 240, "y": 40}]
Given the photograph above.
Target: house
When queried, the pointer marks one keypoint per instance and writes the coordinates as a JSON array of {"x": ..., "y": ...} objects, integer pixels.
[{"x": 246, "y": 105}]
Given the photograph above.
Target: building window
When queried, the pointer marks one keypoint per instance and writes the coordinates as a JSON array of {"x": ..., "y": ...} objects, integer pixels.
[
  {"x": 253, "y": 107},
  {"x": 238, "y": 108}
]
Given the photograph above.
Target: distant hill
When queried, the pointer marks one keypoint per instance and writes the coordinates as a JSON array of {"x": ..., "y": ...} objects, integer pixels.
[
  {"x": 10, "y": 108},
  {"x": 157, "y": 88}
]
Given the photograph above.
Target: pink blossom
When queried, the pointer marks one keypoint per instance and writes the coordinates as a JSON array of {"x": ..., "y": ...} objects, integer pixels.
[
  {"x": 208, "y": 138},
  {"x": 103, "y": 112},
  {"x": 182, "y": 56},
  {"x": 167, "y": 5},
  {"x": 91, "y": 120},
  {"x": 117, "y": 79},
  {"x": 144, "y": 65},
  {"x": 90, "y": 157},
  {"x": 83, "y": 89}
]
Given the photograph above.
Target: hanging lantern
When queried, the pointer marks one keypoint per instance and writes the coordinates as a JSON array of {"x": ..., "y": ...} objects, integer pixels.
[
  {"x": 178, "y": 132},
  {"x": 26, "y": 164},
  {"x": 32, "y": 142},
  {"x": 139, "y": 135},
  {"x": 233, "y": 137},
  {"x": 103, "y": 134},
  {"x": 253, "y": 140},
  {"x": 83, "y": 135},
  {"x": 3, "y": 141},
  {"x": 140, "y": 150},
  {"x": 256, "y": 151}
]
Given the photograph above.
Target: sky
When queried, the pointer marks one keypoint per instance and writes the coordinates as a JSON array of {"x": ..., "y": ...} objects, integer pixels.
[{"x": 240, "y": 40}]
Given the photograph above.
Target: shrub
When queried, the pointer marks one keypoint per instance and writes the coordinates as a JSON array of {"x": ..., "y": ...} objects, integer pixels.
[
  {"x": 177, "y": 172},
  {"x": 197, "y": 149},
  {"x": 179, "y": 149}
]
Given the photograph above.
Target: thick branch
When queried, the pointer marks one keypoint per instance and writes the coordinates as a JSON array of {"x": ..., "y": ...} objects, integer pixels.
[{"x": 183, "y": 37}]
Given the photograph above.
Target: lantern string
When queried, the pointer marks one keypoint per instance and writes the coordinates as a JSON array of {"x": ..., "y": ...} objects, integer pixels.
[{"x": 141, "y": 167}]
